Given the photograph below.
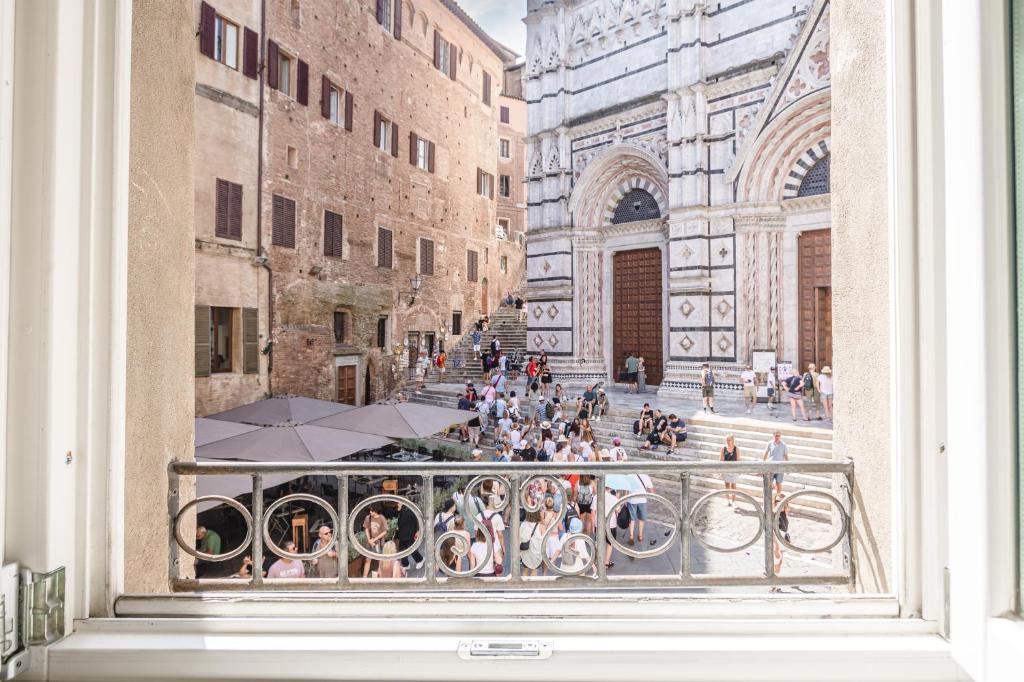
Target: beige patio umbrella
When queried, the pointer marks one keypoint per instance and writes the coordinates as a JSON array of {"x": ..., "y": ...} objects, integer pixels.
[
  {"x": 282, "y": 411},
  {"x": 397, "y": 420}
]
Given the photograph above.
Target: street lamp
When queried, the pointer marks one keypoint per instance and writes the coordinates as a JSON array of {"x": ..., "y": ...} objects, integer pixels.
[{"x": 415, "y": 283}]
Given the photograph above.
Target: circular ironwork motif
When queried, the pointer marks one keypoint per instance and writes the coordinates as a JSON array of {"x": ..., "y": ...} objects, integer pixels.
[
  {"x": 504, "y": 498},
  {"x": 369, "y": 553},
  {"x": 295, "y": 497},
  {"x": 721, "y": 493},
  {"x": 461, "y": 548},
  {"x": 234, "y": 504},
  {"x": 844, "y": 528},
  {"x": 643, "y": 554}
]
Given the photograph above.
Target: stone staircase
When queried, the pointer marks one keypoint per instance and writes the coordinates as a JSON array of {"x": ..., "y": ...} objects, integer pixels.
[
  {"x": 706, "y": 436},
  {"x": 462, "y": 363}
]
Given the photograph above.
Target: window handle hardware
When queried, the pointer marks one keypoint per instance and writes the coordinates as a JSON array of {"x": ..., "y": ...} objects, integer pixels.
[{"x": 534, "y": 649}]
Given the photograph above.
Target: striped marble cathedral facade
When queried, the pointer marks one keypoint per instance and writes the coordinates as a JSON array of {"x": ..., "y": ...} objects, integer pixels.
[{"x": 677, "y": 179}]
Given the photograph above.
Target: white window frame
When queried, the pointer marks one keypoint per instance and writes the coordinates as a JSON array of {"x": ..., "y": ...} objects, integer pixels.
[
  {"x": 389, "y": 15},
  {"x": 336, "y": 102},
  {"x": 221, "y": 47},
  {"x": 505, "y": 148},
  {"x": 285, "y": 63},
  {"x": 423, "y": 153},
  {"x": 444, "y": 51},
  {"x": 687, "y": 638},
  {"x": 508, "y": 186},
  {"x": 384, "y": 131}
]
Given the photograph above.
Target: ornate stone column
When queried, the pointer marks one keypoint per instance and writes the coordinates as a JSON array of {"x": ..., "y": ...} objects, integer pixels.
[
  {"x": 759, "y": 295},
  {"x": 590, "y": 312}
]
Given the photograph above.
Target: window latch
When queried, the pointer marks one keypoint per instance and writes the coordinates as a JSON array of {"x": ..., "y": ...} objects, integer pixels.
[{"x": 470, "y": 649}]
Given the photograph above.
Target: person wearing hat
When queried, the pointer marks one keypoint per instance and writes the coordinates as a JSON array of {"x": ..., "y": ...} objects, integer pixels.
[
  {"x": 617, "y": 453},
  {"x": 811, "y": 392},
  {"x": 827, "y": 389}
]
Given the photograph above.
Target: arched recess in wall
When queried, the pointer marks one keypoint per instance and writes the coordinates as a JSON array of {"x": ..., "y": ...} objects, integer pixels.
[
  {"x": 610, "y": 177},
  {"x": 771, "y": 171}
]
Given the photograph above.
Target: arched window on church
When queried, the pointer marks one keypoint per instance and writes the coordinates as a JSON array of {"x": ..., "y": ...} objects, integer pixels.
[
  {"x": 816, "y": 181},
  {"x": 638, "y": 204}
]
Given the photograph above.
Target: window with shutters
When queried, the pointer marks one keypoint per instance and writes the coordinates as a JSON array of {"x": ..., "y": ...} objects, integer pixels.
[
  {"x": 383, "y": 134},
  {"x": 505, "y": 148},
  {"x": 472, "y": 266},
  {"x": 221, "y": 321},
  {"x": 202, "y": 340},
  {"x": 382, "y": 331},
  {"x": 423, "y": 153},
  {"x": 229, "y": 210},
  {"x": 225, "y": 46},
  {"x": 284, "y": 71},
  {"x": 283, "y": 222},
  {"x": 384, "y": 248},
  {"x": 504, "y": 114},
  {"x": 502, "y": 231},
  {"x": 336, "y": 113},
  {"x": 505, "y": 186},
  {"x": 342, "y": 328},
  {"x": 486, "y": 89},
  {"x": 333, "y": 244},
  {"x": 426, "y": 256},
  {"x": 444, "y": 56},
  {"x": 250, "y": 341},
  {"x": 457, "y": 323},
  {"x": 387, "y": 14},
  {"x": 484, "y": 184}
]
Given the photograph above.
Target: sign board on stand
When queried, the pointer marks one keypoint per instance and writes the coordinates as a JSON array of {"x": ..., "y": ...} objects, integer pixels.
[{"x": 763, "y": 361}]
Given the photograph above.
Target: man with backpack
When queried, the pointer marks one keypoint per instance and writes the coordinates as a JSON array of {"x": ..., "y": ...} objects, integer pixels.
[
  {"x": 475, "y": 336},
  {"x": 707, "y": 387}
]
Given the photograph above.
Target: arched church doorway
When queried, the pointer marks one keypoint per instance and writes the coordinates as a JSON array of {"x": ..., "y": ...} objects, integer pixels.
[{"x": 815, "y": 278}]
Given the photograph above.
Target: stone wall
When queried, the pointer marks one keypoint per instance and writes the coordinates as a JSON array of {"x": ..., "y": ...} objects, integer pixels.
[{"x": 342, "y": 171}]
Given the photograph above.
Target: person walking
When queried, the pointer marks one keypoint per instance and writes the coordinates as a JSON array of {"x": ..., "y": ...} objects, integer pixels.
[
  {"x": 749, "y": 380},
  {"x": 730, "y": 453},
  {"x": 475, "y": 338},
  {"x": 422, "y": 368},
  {"x": 795, "y": 389},
  {"x": 707, "y": 387},
  {"x": 772, "y": 389},
  {"x": 632, "y": 363},
  {"x": 641, "y": 375},
  {"x": 827, "y": 389},
  {"x": 440, "y": 362},
  {"x": 811, "y": 393},
  {"x": 407, "y": 533},
  {"x": 776, "y": 451},
  {"x": 638, "y": 511}
]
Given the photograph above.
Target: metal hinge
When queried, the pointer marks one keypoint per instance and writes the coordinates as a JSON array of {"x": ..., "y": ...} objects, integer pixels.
[{"x": 31, "y": 613}]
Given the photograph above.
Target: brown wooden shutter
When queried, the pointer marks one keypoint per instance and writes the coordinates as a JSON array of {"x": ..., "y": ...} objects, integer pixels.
[
  {"x": 283, "y": 222},
  {"x": 397, "y": 29},
  {"x": 504, "y": 114},
  {"x": 250, "y": 341},
  {"x": 234, "y": 210},
  {"x": 380, "y": 11},
  {"x": 302, "y": 89},
  {"x": 202, "y": 340},
  {"x": 223, "y": 200},
  {"x": 394, "y": 140},
  {"x": 348, "y": 111},
  {"x": 289, "y": 214},
  {"x": 430, "y": 157},
  {"x": 487, "y": 89},
  {"x": 471, "y": 266},
  {"x": 325, "y": 96},
  {"x": 207, "y": 29},
  {"x": 273, "y": 67},
  {"x": 412, "y": 148},
  {"x": 384, "y": 247},
  {"x": 376, "y": 129},
  {"x": 251, "y": 53},
  {"x": 426, "y": 257},
  {"x": 437, "y": 50},
  {"x": 453, "y": 57},
  {"x": 333, "y": 244},
  {"x": 490, "y": 186}
]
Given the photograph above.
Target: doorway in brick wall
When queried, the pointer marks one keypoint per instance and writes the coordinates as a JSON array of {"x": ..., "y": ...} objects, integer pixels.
[{"x": 347, "y": 384}]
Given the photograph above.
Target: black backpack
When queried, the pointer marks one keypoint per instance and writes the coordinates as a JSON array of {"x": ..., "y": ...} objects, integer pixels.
[
  {"x": 441, "y": 525},
  {"x": 636, "y": 427}
]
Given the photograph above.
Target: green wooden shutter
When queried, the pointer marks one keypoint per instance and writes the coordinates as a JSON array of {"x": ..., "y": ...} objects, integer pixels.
[
  {"x": 250, "y": 341},
  {"x": 202, "y": 342}
]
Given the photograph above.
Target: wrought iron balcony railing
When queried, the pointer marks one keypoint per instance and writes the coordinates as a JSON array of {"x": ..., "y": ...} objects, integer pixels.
[{"x": 830, "y": 503}]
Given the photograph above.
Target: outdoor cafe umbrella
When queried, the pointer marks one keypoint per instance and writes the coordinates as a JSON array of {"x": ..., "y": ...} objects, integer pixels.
[
  {"x": 401, "y": 420},
  {"x": 282, "y": 411},
  {"x": 304, "y": 443},
  {"x": 212, "y": 430}
]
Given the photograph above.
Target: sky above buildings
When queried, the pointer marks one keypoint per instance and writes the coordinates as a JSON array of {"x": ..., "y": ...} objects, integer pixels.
[{"x": 502, "y": 19}]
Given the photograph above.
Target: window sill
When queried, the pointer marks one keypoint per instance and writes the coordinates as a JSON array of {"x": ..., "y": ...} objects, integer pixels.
[{"x": 389, "y": 648}]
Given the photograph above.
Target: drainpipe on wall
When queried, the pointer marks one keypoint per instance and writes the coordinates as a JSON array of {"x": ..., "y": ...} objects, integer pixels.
[{"x": 259, "y": 202}]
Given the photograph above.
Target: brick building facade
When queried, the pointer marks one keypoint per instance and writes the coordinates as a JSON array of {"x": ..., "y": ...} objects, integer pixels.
[
  {"x": 380, "y": 189},
  {"x": 511, "y": 196}
]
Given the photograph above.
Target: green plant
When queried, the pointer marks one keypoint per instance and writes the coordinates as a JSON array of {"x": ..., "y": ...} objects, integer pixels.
[{"x": 361, "y": 539}]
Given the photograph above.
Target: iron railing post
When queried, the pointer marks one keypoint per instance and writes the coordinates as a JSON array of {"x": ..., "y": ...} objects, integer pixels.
[
  {"x": 257, "y": 530},
  {"x": 684, "y": 527},
  {"x": 602, "y": 531},
  {"x": 341, "y": 532},
  {"x": 515, "y": 564},
  {"x": 174, "y": 566},
  {"x": 427, "y": 546},
  {"x": 769, "y": 517}
]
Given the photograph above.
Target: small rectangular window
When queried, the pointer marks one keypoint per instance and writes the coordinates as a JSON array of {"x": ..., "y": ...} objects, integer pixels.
[
  {"x": 335, "y": 104},
  {"x": 503, "y": 264},
  {"x": 505, "y": 148},
  {"x": 444, "y": 56},
  {"x": 384, "y": 247},
  {"x": 384, "y": 134},
  {"x": 228, "y": 223},
  {"x": 423, "y": 153},
  {"x": 502, "y": 231},
  {"x": 484, "y": 184},
  {"x": 504, "y": 115},
  {"x": 426, "y": 257},
  {"x": 387, "y": 10},
  {"x": 472, "y": 268},
  {"x": 457, "y": 322},
  {"x": 332, "y": 235},
  {"x": 382, "y": 332},
  {"x": 284, "y": 70},
  {"x": 505, "y": 186},
  {"x": 283, "y": 222},
  {"x": 486, "y": 89},
  {"x": 225, "y": 47},
  {"x": 221, "y": 339},
  {"x": 341, "y": 327}
]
